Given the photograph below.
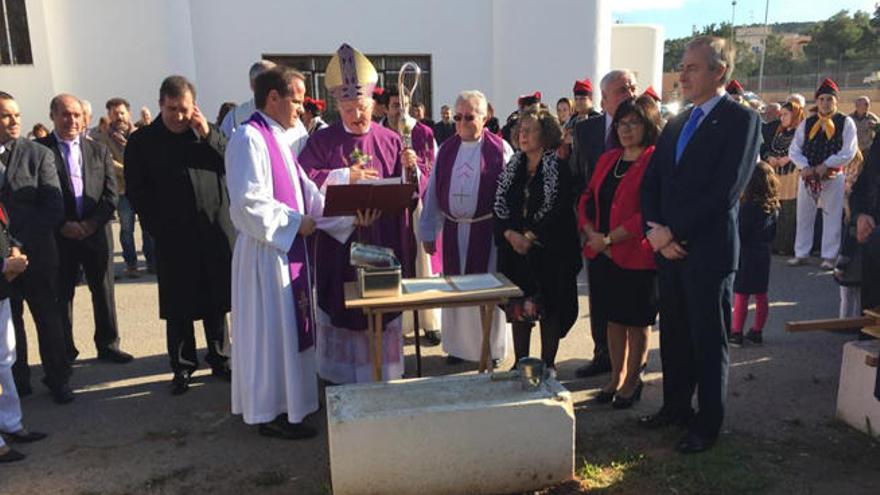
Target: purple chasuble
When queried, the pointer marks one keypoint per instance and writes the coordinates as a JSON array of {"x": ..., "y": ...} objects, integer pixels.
[
  {"x": 328, "y": 150},
  {"x": 480, "y": 242},
  {"x": 283, "y": 191}
]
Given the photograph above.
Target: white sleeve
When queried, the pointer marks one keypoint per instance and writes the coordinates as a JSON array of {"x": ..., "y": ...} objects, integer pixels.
[
  {"x": 340, "y": 228},
  {"x": 252, "y": 206},
  {"x": 795, "y": 153},
  {"x": 299, "y": 143},
  {"x": 340, "y": 176},
  {"x": 431, "y": 220},
  {"x": 228, "y": 124},
  {"x": 850, "y": 146}
]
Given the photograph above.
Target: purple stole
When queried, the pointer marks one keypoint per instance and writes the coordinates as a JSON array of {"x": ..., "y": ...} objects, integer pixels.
[
  {"x": 284, "y": 192},
  {"x": 479, "y": 244}
]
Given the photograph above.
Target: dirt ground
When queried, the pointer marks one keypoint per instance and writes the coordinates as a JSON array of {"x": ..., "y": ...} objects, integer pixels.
[{"x": 125, "y": 434}]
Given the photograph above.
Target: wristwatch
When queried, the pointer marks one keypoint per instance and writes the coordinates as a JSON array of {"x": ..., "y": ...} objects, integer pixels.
[{"x": 607, "y": 240}]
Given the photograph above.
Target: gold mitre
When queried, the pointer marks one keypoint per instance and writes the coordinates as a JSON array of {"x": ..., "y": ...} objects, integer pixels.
[{"x": 350, "y": 74}]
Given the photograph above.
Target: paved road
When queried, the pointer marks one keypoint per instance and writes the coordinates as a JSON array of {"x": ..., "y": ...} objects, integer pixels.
[{"x": 126, "y": 434}]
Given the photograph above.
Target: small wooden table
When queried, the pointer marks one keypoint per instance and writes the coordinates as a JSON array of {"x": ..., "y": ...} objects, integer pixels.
[{"x": 375, "y": 307}]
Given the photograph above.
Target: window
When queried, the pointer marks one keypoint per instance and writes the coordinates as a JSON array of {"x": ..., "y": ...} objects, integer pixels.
[
  {"x": 15, "y": 40},
  {"x": 314, "y": 67}
]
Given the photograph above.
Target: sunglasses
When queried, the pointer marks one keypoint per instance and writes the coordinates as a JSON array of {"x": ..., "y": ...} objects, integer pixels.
[{"x": 467, "y": 118}]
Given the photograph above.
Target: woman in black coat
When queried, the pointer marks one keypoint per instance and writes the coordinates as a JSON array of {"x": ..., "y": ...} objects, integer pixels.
[{"x": 536, "y": 235}]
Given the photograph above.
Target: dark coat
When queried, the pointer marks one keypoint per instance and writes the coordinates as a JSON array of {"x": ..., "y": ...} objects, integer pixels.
[
  {"x": 177, "y": 186},
  {"x": 549, "y": 270},
  {"x": 588, "y": 144},
  {"x": 865, "y": 200},
  {"x": 757, "y": 228},
  {"x": 32, "y": 196},
  {"x": 99, "y": 187}
]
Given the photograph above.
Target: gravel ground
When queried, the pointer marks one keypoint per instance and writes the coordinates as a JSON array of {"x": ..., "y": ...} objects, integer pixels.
[{"x": 126, "y": 434}]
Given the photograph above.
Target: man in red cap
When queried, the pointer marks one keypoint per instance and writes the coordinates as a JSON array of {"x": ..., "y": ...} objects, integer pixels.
[
  {"x": 736, "y": 90},
  {"x": 583, "y": 101},
  {"x": 822, "y": 147}
]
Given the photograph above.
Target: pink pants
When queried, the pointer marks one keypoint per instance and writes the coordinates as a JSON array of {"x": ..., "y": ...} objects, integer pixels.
[{"x": 741, "y": 309}]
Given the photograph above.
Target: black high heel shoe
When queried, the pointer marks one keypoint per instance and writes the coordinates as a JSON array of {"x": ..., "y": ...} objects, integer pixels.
[
  {"x": 604, "y": 397},
  {"x": 621, "y": 402}
]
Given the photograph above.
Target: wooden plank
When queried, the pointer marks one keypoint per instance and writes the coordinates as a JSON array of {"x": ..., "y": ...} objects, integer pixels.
[
  {"x": 873, "y": 331},
  {"x": 875, "y": 313},
  {"x": 829, "y": 324}
]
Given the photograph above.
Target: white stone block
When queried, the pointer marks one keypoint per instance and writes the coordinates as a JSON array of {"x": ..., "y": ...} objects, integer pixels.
[
  {"x": 461, "y": 434},
  {"x": 856, "y": 404}
]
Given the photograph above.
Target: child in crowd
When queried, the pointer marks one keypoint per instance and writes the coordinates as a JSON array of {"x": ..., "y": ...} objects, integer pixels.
[{"x": 758, "y": 211}]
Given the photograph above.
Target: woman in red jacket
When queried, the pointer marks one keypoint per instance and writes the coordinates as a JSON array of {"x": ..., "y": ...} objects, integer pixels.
[{"x": 622, "y": 272}]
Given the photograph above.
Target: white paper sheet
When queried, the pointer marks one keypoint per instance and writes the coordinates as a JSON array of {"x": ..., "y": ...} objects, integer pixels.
[
  {"x": 412, "y": 286},
  {"x": 480, "y": 281}
]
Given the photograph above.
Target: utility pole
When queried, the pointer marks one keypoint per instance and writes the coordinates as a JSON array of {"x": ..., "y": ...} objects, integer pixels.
[{"x": 763, "y": 50}]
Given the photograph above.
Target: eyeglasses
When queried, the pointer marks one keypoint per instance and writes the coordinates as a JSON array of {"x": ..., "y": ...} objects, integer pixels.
[
  {"x": 467, "y": 118},
  {"x": 629, "y": 124}
]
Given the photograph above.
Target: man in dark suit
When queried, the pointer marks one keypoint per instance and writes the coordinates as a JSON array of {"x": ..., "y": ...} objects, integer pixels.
[
  {"x": 591, "y": 139},
  {"x": 690, "y": 198},
  {"x": 88, "y": 185},
  {"x": 176, "y": 180},
  {"x": 30, "y": 191}
]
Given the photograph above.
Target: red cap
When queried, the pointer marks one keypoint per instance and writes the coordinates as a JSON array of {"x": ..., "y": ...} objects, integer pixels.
[
  {"x": 653, "y": 94},
  {"x": 312, "y": 104},
  {"x": 735, "y": 88},
  {"x": 526, "y": 100},
  {"x": 584, "y": 87},
  {"x": 828, "y": 87}
]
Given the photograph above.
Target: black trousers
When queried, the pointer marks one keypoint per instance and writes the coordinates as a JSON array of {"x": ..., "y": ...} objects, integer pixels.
[
  {"x": 95, "y": 258},
  {"x": 550, "y": 336},
  {"x": 182, "y": 343},
  {"x": 598, "y": 322},
  {"x": 694, "y": 322},
  {"x": 39, "y": 289}
]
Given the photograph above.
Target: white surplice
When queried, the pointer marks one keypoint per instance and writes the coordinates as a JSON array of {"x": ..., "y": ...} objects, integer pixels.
[
  {"x": 462, "y": 327},
  {"x": 270, "y": 376}
]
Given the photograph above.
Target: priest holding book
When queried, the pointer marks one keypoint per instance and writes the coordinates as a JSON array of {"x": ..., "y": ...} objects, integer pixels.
[
  {"x": 275, "y": 208},
  {"x": 353, "y": 150}
]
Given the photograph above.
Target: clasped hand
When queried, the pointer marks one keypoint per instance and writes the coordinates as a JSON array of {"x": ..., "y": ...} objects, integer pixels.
[
  {"x": 78, "y": 230},
  {"x": 518, "y": 242},
  {"x": 16, "y": 264},
  {"x": 662, "y": 241}
]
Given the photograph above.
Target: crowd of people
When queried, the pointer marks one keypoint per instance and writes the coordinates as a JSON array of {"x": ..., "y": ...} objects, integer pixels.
[{"x": 673, "y": 218}]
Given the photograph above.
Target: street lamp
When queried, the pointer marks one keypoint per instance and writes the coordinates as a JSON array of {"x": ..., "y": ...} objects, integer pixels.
[{"x": 733, "y": 22}]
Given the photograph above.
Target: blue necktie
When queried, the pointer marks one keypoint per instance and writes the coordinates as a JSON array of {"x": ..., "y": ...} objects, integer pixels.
[{"x": 688, "y": 132}]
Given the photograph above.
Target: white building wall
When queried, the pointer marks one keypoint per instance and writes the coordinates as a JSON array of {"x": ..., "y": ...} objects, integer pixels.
[
  {"x": 97, "y": 49},
  {"x": 546, "y": 46},
  {"x": 640, "y": 49}
]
